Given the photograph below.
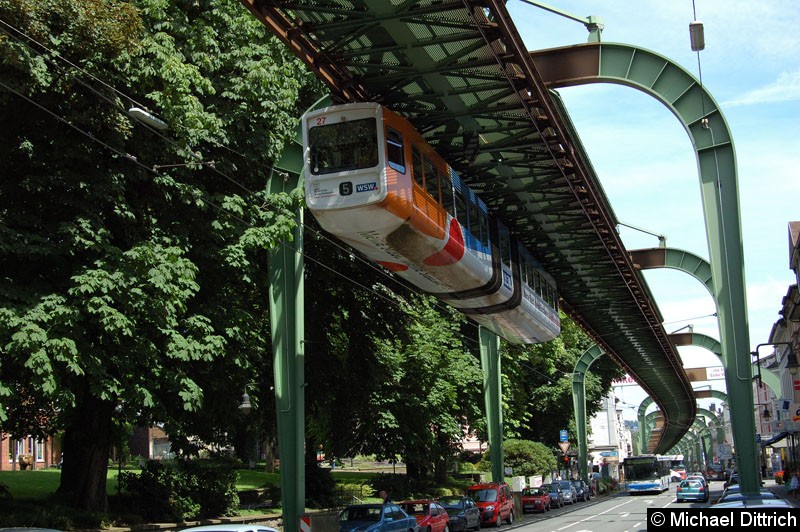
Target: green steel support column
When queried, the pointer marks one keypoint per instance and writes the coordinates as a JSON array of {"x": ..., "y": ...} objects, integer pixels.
[
  {"x": 644, "y": 433},
  {"x": 492, "y": 395},
  {"x": 714, "y": 419},
  {"x": 287, "y": 324},
  {"x": 579, "y": 403},
  {"x": 722, "y": 396},
  {"x": 696, "y": 109}
]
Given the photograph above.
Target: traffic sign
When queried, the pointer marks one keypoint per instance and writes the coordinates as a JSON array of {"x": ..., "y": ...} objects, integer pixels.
[
  {"x": 564, "y": 446},
  {"x": 563, "y": 435}
]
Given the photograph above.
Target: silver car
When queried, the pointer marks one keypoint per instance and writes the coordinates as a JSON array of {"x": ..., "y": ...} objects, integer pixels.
[{"x": 570, "y": 495}]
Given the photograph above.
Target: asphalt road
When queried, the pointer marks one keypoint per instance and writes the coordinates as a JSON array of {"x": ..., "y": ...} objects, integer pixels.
[{"x": 616, "y": 513}]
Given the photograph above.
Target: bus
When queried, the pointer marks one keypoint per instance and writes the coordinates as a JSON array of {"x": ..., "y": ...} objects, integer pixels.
[
  {"x": 677, "y": 469},
  {"x": 647, "y": 473}
]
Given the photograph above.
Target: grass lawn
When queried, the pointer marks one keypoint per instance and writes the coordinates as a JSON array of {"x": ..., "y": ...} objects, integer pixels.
[{"x": 41, "y": 483}]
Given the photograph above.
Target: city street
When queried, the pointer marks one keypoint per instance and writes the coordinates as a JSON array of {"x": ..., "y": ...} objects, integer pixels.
[{"x": 617, "y": 513}]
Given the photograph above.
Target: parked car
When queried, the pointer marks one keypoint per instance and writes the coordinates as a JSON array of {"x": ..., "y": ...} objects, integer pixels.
[
  {"x": 755, "y": 502},
  {"x": 556, "y": 494},
  {"x": 430, "y": 515},
  {"x": 230, "y": 528},
  {"x": 535, "y": 500},
  {"x": 570, "y": 495},
  {"x": 495, "y": 502},
  {"x": 716, "y": 472},
  {"x": 737, "y": 495},
  {"x": 701, "y": 478},
  {"x": 582, "y": 489},
  {"x": 692, "y": 490},
  {"x": 463, "y": 512},
  {"x": 388, "y": 517},
  {"x": 732, "y": 479}
]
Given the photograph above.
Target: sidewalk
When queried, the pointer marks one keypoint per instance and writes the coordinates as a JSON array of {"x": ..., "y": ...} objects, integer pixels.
[{"x": 780, "y": 491}]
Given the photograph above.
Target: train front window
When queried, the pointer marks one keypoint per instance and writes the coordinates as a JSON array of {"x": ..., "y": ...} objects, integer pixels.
[{"x": 340, "y": 146}]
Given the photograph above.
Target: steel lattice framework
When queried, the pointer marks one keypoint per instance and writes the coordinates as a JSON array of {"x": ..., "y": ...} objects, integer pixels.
[{"x": 459, "y": 71}]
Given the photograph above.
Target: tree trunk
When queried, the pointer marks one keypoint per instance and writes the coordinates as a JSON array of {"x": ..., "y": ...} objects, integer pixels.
[
  {"x": 86, "y": 446},
  {"x": 270, "y": 453}
]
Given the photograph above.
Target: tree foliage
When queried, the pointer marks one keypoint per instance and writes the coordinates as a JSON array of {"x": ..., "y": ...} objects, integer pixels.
[
  {"x": 134, "y": 261},
  {"x": 528, "y": 458},
  {"x": 537, "y": 385},
  {"x": 134, "y": 269}
]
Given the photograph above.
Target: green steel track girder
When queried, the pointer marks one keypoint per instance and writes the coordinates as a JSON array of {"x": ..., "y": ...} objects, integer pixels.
[
  {"x": 579, "y": 403},
  {"x": 697, "y": 111},
  {"x": 460, "y": 72}
]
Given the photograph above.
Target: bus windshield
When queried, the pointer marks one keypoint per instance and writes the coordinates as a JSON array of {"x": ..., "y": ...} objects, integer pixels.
[
  {"x": 641, "y": 469},
  {"x": 343, "y": 146}
]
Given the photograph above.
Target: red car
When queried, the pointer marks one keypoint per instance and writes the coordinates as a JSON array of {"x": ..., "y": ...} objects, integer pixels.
[
  {"x": 495, "y": 501},
  {"x": 430, "y": 515},
  {"x": 535, "y": 500}
]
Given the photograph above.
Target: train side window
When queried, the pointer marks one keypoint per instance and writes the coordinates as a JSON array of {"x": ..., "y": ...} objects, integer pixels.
[
  {"x": 394, "y": 150},
  {"x": 505, "y": 247},
  {"x": 431, "y": 180},
  {"x": 474, "y": 221},
  {"x": 416, "y": 165},
  {"x": 447, "y": 193},
  {"x": 461, "y": 209},
  {"x": 484, "y": 218}
]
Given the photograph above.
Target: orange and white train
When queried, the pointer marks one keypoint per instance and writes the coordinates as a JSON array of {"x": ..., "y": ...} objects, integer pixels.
[{"x": 375, "y": 183}]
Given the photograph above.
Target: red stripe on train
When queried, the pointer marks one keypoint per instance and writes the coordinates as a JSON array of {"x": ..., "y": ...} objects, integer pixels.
[
  {"x": 453, "y": 250},
  {"x": 392, "y": 266}
]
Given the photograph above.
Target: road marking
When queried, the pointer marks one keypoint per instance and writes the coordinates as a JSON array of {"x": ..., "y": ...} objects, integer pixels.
[
  {"x": 637, "y": 524},
  {"x": 624, "y": 514},
  {"x": 594, "y": 516}
]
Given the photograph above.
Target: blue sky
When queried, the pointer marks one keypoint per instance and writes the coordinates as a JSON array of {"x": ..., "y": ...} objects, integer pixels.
[{"x": 643, "y": 156}]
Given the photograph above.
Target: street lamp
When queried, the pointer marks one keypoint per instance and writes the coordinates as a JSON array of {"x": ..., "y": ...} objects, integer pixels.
[
  {"x": 788, "y": 359},
  {"x": 245, "y": 406}
]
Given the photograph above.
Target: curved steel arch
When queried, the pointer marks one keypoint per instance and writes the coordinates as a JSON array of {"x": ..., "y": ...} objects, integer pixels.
[
  {"x": 579, "y": 403},
  {"x": 705, "y": 124},
  {"x": 678, "y": 259}
]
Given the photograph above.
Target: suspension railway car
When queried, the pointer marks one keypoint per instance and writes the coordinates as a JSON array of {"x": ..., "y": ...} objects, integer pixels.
[{"x": 376, "y": 184}]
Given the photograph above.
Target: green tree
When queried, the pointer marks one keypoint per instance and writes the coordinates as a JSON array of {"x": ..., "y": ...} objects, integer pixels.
[
  {"x": 537, "y": 379},
  {"x": 134, "y": 269},
  {"x": 433, "y": 389},
  {"x": 399, "y": 379},
  {"x": 528, "y": 458}
]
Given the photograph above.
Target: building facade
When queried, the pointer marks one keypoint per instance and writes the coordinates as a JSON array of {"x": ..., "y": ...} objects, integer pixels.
[{"x": 28, "y": 453}]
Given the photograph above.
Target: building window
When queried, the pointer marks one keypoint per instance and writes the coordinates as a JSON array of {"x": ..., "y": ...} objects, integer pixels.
[{"x": 39, "y": 451}]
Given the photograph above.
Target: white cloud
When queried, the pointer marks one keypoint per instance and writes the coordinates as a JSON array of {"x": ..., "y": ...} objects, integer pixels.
[{"x": 784, "y": 89}]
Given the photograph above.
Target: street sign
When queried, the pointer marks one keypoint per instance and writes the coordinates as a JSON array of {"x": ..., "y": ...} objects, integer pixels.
[
  {"x": 564, "y": 446},
  {"x": 724, "y": 451},
  {"x": 563, "y": 435},
  {"x": 758, "y": 438}
]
